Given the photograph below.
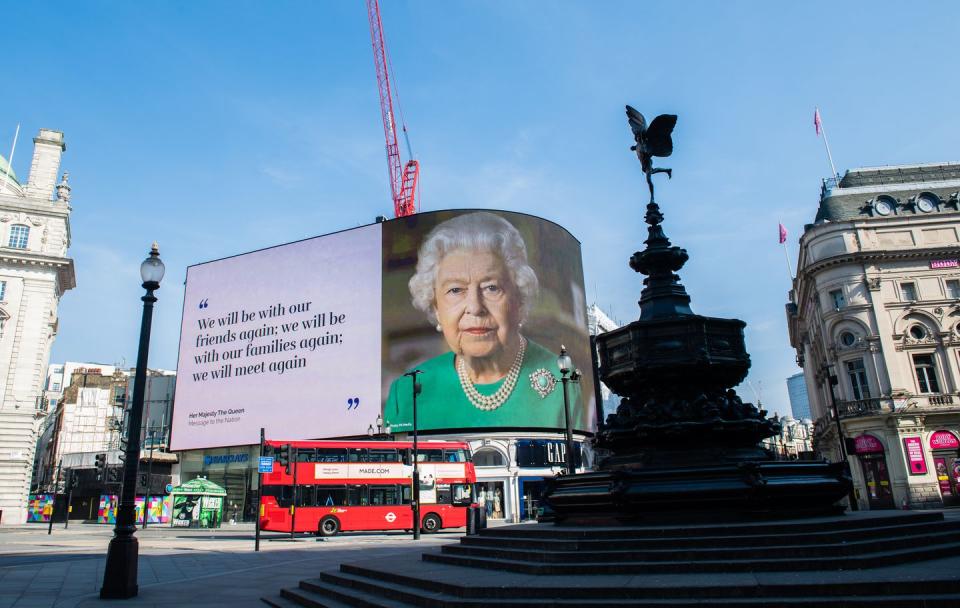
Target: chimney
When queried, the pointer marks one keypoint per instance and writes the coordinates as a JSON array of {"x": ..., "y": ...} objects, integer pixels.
[{"x": 47, "y": 148}]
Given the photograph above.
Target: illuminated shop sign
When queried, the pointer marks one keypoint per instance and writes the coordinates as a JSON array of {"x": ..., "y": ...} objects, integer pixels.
[{"x": 540, "y": 453}]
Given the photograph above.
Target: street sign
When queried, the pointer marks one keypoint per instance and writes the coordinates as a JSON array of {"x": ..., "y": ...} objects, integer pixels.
[{"x": 265, "y": 465}]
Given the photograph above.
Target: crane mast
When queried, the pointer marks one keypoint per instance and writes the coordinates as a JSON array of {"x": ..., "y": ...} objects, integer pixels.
[{"x": 403, "y": 177}]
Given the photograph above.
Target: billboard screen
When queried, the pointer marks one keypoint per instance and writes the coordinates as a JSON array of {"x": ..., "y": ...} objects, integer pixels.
[{"x": 313, "y": 339}]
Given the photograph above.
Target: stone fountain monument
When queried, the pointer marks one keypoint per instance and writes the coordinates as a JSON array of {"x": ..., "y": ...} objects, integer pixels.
[{"x": 684, "y": 445}]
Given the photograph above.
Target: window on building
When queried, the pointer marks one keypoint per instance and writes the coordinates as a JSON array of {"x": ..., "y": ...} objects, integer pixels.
[
  {"x": 858, "y": 379},
  {"x": 926, "y": 373},
  {"x": 19, "y": 235},
  {"x": 3, "y": 290},
  {"x": 953, "y": 289},
  {"x": 848, "y": 339},
  {"x": 918, "y": 332},
  {"x": 489, "y": 458},
  {"x": 53, "y": 404},
  {"x": 836, "y": 298},
  {"x": 908, "y": 292},
  {"x": 55, "y": 387}
]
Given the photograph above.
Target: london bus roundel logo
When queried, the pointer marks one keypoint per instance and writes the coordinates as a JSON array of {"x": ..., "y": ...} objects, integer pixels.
[{"x": 390, "y": 517}]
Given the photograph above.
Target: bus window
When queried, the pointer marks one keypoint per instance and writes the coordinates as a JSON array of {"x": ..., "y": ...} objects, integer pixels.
[
  {"x": 383, "y": 455},
  {"x": 358, "y": 455},
  {"x": 306, "y": 496},
  {"x": 357, "y": 496},
  {"x": 443, "y": 494},
  {"x": 306, "y": 455},
  {"x": 454, "y": 455},
  {"x": 429, "y": 455},
  {"x": 462, "y": 494},
  {"x": 383, "y": 495},
  {"x": 331, "y": 496},
  {"x": 331, "y": 454},
  {"x": 283, "y": 494},
  {"x": 407, "y": 494}
]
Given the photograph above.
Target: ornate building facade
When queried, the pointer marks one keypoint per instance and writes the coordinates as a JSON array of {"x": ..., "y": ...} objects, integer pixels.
[
  {"x": 874, "y": 316},
  {"x": 34, "y": 273}
]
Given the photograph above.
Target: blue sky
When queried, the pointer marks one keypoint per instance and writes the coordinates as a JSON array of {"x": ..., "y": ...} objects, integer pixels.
[{"x": 221, "y": 127}]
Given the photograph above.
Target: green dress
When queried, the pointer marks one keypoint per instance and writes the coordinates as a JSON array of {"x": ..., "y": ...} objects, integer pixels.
[{"x": 442, "y": 403}]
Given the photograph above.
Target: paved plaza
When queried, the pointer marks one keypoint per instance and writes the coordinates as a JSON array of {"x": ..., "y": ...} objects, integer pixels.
[{"x": 181, "y": 567}]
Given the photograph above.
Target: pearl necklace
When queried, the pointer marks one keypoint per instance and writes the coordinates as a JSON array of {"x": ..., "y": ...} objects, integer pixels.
[{"x": 491, "y": 402}]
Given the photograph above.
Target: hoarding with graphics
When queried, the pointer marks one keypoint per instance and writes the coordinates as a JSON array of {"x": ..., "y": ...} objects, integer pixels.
[{"x": 313, "y": 339}]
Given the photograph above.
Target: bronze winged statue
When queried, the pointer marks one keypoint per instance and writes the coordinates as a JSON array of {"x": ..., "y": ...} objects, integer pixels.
[{"x": 653, "y": 140}]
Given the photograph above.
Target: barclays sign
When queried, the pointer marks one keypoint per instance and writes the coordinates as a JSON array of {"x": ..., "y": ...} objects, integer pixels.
[{"x": 225, "y": 459}]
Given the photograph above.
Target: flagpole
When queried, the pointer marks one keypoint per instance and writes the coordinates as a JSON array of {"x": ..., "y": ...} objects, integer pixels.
[
  {"x": 826, "y": 142},
  {"x": 13, "y": 149},
  {"x": 786, "y": 254}
]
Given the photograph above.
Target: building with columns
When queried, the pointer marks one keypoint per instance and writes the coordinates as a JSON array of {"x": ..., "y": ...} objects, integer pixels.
[
  {"x": 34, "y": 273},
  {"x": 874, "y": 316}
]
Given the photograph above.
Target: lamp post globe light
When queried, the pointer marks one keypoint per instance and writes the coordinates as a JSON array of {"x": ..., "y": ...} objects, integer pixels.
[
  {"x": 120, "y": 572},
  {"x": 565, "y": 363}
]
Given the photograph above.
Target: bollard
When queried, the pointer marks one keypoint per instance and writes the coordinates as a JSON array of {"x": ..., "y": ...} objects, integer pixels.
[
  {"x": 471, "y": 521},
  {"x": 481, "y": 519}
]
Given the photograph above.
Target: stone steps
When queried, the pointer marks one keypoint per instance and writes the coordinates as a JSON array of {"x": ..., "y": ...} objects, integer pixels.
[
  {"x": 856, "y": 562},
  {"x": 884, "y": 520},
  {"x": 343, "y": 589},
  {"x": 786, "y": 564},
  {"x": 490, "y": 538},
  {"x": 835, "y": 547}
]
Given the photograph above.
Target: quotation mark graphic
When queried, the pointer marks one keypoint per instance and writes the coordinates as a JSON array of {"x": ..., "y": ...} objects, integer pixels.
[
  {"x": 203, "y": 303},
  {"x": 353, "y": 403}
]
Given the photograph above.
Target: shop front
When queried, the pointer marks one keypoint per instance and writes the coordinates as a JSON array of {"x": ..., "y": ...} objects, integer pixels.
[
  {"x": 871, "y": 454},
  {"x": 234, "y": 469},
  {"x": 945, "y": 450},
  {"x": 543, "y": 456}
]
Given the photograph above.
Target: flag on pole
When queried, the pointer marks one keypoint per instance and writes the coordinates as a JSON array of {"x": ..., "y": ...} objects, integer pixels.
[
  {"x": 816, "y": 120},
  {"x": 783, "y": 234}
]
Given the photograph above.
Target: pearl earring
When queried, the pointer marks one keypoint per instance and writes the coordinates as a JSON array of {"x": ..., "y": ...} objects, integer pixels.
[{"x": 439, "y": 328}]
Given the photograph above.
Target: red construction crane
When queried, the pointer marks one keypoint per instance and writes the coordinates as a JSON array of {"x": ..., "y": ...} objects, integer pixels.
[{"x": 403, "y": 178}]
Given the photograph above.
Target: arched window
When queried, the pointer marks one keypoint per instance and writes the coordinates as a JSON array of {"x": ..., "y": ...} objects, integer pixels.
[
  {"x": 19, "y": 235},
  {"x": 489, "y": 458}
]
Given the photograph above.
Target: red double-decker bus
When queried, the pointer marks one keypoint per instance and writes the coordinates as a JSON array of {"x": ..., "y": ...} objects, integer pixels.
[{"x": 335, "y": 486}]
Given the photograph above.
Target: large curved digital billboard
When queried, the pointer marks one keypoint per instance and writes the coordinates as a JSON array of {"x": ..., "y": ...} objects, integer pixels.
[{"x": 316, "y": 338}]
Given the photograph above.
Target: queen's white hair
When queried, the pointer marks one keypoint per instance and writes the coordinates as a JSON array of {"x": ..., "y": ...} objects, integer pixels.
[{"x": 480, "y": 231}]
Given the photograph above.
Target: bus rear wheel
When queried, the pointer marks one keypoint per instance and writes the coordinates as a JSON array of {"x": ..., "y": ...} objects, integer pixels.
[
  {"x": 431, "y": 523},
  {"x": 329, "y": 526}
]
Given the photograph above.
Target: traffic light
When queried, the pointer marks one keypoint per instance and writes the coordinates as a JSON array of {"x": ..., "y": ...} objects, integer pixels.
[
  {"x": 101, "y": 462},
  {"x": 283, "y": 456}
]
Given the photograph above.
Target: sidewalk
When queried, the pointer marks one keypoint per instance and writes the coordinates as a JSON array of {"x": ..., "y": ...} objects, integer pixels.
[{"x": 180, "y": 567}]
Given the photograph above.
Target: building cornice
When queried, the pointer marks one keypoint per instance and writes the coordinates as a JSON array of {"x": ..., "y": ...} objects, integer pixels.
[
  {"x": 10, "y": 204},
  {"x": 884, "y": 255},
  {"x": 66, "y": 277}
]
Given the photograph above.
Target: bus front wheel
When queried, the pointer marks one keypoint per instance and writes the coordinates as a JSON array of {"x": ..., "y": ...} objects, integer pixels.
[
  {"x": 431, "y": 523},
  {"x": 329, "y": 526}
]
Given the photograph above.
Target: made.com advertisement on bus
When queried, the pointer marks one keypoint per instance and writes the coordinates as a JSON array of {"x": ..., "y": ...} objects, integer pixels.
[{"x": 314, "y": 339}]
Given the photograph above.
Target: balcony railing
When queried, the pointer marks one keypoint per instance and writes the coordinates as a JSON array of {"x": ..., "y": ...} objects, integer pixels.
[
  {"x": 863, "y": 407},
  {"x": 940, "y": 399}
]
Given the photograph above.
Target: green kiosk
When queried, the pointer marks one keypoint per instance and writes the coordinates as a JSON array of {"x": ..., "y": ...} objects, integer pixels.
[{"x": 197, "y": 504}]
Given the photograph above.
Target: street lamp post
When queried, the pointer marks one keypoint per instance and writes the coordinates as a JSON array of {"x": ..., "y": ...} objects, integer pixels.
[
  {"x": 415, "y": 504},
  {"x": 146, "y": 492},
  {"x": 120, "y": 572},
  {"x": 832, "y": 381},
  {"x": 566, "y": 366}
]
